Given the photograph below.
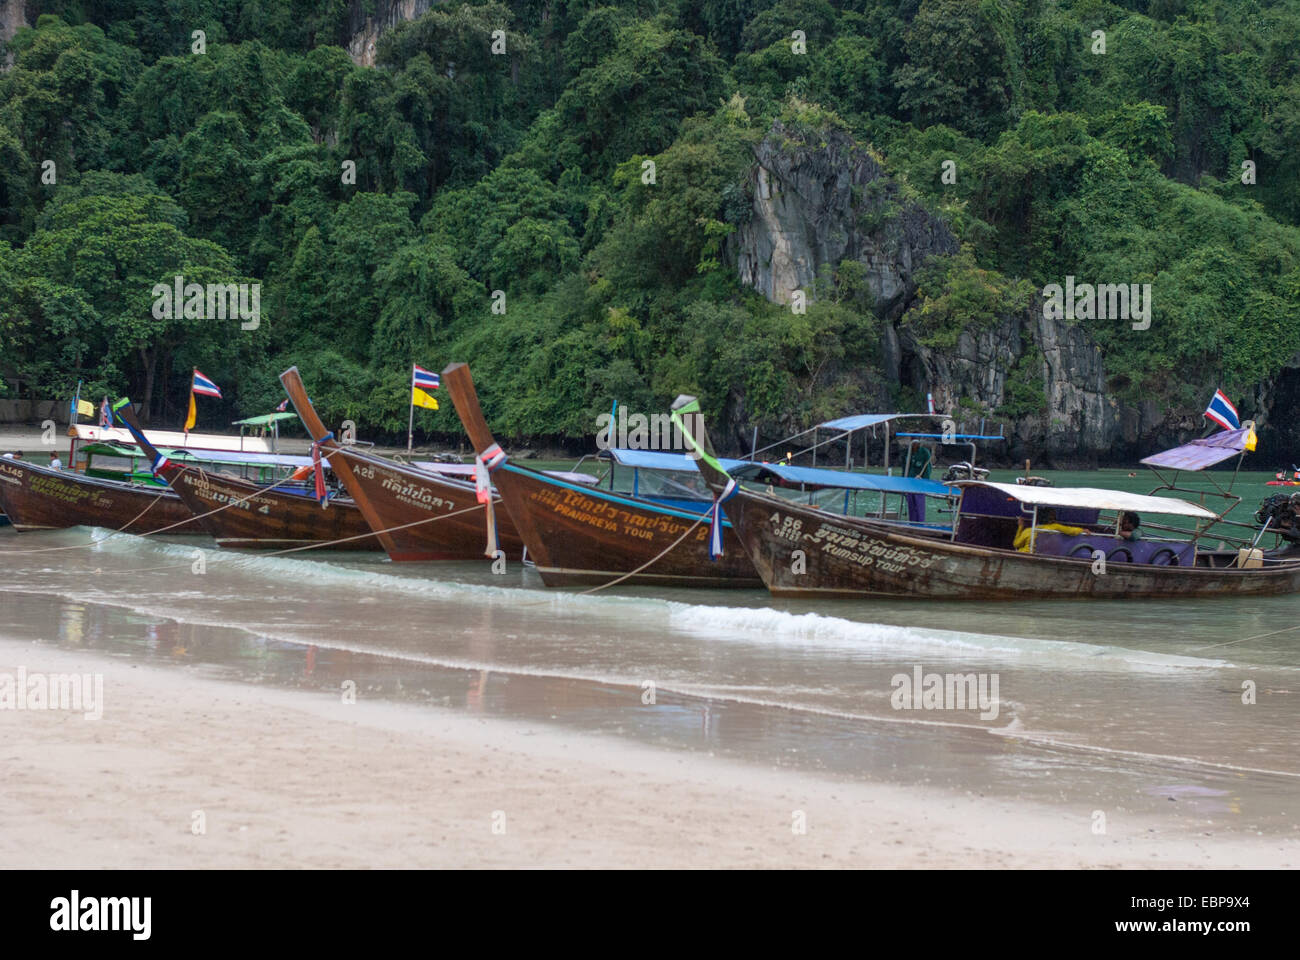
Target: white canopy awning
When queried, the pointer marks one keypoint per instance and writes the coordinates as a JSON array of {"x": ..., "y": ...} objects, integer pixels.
[{"x": 1093, "y": 498}]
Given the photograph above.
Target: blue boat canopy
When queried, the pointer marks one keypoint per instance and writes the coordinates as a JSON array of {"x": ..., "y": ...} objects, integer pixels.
[
  {"x": 860, "y": 420},
  {"x": 661, "y": 460},
  {"x": 782, "y": 474},
  {"x": 954, "y": 436},
  {"x": 841, "y": 479}
]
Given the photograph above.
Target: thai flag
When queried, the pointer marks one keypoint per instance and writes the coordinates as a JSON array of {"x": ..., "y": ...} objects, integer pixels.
[
  {"x": 424, "y": 379},
  {"x": 1222, "y": 412},
  {"x": 205, "y": 387},
  {"x": 105, "y": 414},
  {"x": 284, "y": 405}
]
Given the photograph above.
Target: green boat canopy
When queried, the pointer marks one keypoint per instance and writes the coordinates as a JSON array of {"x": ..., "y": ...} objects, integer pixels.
[{"x": 265, "y": 420}]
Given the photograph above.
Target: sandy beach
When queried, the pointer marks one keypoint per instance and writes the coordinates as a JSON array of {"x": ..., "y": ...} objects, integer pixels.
[{"x": 288, "y": 779}]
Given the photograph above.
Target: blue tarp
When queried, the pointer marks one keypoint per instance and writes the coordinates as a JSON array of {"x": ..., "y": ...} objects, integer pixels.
[
  {"x": 806, "y": 476},
  {"x": 858, "y": 421},
  {"x": 955, "y": 436},
  {"x": 817, "y": 477},
  {"x": 659, "y": 460}
]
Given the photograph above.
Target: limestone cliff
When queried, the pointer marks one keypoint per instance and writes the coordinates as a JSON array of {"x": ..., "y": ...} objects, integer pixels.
[
  {"x": 820, "y": 200},
  {"x": 368, "y": 21},
  {"x": 817, "y": 204},
  {"x": 13, "y": 17},
  {"x": 1078, "y": 422}
]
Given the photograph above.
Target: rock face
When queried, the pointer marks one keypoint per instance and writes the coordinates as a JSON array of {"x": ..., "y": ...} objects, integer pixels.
[
  {"x": 820, "y": 200},
  {"x": 366, "y": 28},
  {"x": 815, "y": 204},
  {"x": 13, "y": 17},
  {"x": 1079, "y": 425}
]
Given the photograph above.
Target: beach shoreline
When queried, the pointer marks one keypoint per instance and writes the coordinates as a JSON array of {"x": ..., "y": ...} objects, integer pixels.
[{"x": 279, "y": 778}]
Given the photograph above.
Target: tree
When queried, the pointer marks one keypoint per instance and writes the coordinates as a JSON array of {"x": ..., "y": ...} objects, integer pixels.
[{"x": 956, "y": 69}]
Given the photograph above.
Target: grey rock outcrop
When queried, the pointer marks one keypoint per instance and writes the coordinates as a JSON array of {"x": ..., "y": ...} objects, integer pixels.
[
  {"x": 13, "y": 17},
  {"x": 817, "y": 204},
  {"x": 1079, "y": 421},
  {"x": 365, "y": 28},
  {"x": 817, "y": 201}
]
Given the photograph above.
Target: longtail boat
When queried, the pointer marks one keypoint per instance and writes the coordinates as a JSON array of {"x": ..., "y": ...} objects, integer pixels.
[
  {"x": 596, "y": 536},
  {"x": 1069, "y": 552},
  {"x": 238, "y": 512},
  {"x": 414, "y": 513},
  {"x": 580, "y": 535},
  {"x": 35, "y": 497},
  {"x": 266, "y": 517}
]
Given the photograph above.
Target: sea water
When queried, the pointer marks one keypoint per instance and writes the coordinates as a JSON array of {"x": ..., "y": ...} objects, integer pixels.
[{"x": 1185, "y": 709}]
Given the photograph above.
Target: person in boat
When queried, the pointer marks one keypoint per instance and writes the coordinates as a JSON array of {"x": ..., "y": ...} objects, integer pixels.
[
  {"x": 919, "y": 468},
  {"x": 55, "y": 463},
  {"x": 1129, "y": 522},
  {"x": 1047, "y": 522}
]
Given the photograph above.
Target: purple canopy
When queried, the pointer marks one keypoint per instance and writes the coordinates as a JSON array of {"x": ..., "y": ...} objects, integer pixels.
[{"x": 1200, "y": 454}]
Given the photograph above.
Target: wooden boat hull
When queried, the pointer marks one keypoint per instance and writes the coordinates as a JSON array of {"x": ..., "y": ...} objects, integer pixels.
[
  {"x": 267, "y": 519},
  {"x": 843, "y": 556},
  {"x": 577, "y": 535},
  {"x": 400, "y": 497},
  {"x": 581, "y": 535},
  {"x": 38, "y": 498}
]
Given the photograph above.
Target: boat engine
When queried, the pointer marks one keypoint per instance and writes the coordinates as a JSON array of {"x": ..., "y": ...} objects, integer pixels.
[
  {"x": 963, "y": 470},
  {"x": 1283, "y": 509}
]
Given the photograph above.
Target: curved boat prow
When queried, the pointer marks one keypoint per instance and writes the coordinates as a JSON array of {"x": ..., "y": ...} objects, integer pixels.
[
  {"x": 293, "y": 386},
  {"x": 128, "y": 417},
  {"x": 460, "y": 384},
  {"x": 685, "y": 412}
]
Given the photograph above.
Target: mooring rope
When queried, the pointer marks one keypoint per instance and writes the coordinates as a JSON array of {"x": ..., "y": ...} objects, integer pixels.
[
  {"x": 272, "y": 553},
  {"x": 150, "y": 533},
  {"x": 631, "y": 573},
  {"x": 318, "y": 545},
  {"x": 652, "y": 560}
]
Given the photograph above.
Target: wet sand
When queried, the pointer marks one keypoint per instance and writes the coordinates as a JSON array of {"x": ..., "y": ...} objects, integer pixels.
[{"x": 289, "y": 778}]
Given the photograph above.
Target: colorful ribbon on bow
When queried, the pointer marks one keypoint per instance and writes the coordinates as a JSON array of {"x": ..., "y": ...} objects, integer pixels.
[
  {"x": 715, "y": 521},
  {"x": 318, "y": 471},
  {"x": 494, "y": 457},
  {"x": 483, "y": 492}
]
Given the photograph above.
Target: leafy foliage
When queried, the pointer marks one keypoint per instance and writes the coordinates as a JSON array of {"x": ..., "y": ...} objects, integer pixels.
[{"x": 589, "y": 166}]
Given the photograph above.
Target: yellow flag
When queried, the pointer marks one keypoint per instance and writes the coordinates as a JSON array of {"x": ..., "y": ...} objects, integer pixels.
[
  {"x": 189, "y": 421},
  {"x": 85, "y": 408},
  {"x": 422, "y": 399},
  {"x": 1251, "y": 440}
]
